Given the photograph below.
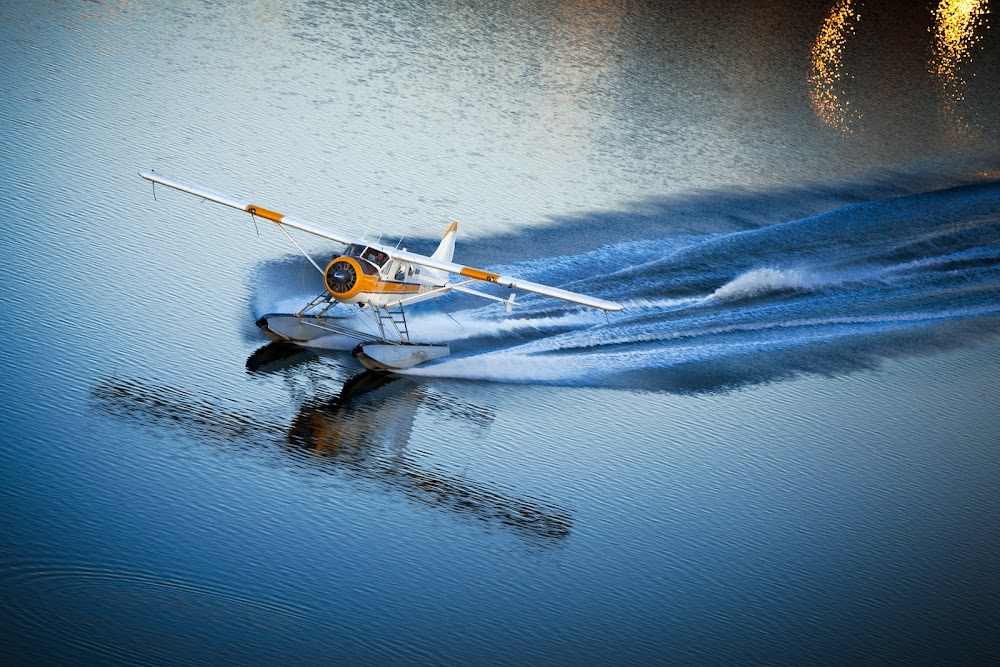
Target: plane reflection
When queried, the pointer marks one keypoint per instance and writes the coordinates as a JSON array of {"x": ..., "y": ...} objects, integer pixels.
[{"x": 360, "y": 433}]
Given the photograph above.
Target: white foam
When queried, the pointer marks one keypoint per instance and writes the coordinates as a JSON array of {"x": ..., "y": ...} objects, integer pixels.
[
  {"x": 266, "y": 305},
  {"x": 547, "y": 362},
  {"x": 762, "y": 281},
  {"x": 466, "y": 325},
  {"x": 660, "y": 303}
]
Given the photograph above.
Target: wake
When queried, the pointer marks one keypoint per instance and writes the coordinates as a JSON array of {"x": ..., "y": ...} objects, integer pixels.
[{"x": 826, "y": 294}]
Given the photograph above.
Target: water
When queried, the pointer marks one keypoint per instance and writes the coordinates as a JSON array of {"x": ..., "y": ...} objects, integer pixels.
[{"x": 783, "y": 450}]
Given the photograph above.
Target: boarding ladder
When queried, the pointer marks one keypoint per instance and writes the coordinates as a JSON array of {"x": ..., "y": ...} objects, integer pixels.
[
  {"x": 393, "y": 319},
  {"x": 323, "y": 297}
]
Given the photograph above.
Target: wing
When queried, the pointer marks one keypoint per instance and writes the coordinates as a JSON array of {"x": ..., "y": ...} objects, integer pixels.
[{"x": 401, "y": 255}]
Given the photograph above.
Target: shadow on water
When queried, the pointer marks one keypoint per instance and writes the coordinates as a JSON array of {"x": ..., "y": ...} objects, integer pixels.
[
  {"x": 359, "y": 434},
  {"x": 715, "y": 211}
]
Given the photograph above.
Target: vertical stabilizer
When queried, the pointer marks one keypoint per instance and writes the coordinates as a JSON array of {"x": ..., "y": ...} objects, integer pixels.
[
  {"x": 444, "y": 252},
  {"x": 446, "y": 249}
]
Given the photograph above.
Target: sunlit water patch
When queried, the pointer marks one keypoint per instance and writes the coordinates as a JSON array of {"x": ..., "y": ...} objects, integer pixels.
[
  {"x": 958, "y": 27},
  {"x": 828, "y": 79}
]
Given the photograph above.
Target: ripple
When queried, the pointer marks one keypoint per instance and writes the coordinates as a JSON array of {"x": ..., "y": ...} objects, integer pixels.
[{"x": 139, "y": 617}]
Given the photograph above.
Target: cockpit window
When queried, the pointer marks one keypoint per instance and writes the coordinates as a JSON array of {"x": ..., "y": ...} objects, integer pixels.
[
  {"x": 376, "y": 257},
  {"x": 354, "y": 250}
]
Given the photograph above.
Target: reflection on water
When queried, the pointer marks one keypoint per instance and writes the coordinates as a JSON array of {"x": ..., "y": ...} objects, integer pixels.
[
  {"x": 277, "y": 356},
  {"x": 955, "y": 33},
  {"x": 958, "y": 26},
  {"x": 360, "y": 434},
  {"x": 826, "y": 80}
]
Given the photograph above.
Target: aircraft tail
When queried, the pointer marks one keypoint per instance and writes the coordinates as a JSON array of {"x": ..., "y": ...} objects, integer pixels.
[
  {"x": 444, "y": 252},
  {"x": 446, "y": 249}
]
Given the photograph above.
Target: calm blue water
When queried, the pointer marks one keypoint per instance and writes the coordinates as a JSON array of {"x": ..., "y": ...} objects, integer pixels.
[{"x": 783, "y": 451}]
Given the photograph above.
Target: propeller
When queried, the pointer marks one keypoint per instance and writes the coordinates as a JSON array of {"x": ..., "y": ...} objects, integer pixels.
[{"x": 340, "y": 277}]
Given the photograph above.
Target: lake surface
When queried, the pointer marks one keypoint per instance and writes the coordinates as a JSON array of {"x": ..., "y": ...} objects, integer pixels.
[{"x": 785, "y": 450}]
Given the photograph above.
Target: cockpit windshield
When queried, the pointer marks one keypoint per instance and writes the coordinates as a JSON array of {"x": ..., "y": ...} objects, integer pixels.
[
  {"x": 354, "y": 250},
  {"x": 376, "y": 257}
]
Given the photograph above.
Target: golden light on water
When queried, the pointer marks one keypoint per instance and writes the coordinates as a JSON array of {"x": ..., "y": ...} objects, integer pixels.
[
  {"x": 955, "y": 33},
  {"x": 826, "y": 93}
]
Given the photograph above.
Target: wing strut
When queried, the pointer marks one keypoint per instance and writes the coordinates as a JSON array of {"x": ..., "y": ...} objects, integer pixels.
[{"x": 304, "y": 253}]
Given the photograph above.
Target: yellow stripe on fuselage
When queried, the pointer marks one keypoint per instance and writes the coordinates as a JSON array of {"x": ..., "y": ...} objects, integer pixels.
[{"x": 386, "y": 287}]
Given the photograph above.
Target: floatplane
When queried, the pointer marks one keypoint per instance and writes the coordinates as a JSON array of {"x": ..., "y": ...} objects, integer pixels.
[{"x": 380, "y": 281}]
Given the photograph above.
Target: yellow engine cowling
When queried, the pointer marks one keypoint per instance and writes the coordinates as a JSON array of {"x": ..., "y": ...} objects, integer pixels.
[{"x": 346, "y": 277}]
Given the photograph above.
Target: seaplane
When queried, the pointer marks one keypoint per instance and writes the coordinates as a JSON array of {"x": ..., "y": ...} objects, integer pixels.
[{"x": 376, "y": 281}]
